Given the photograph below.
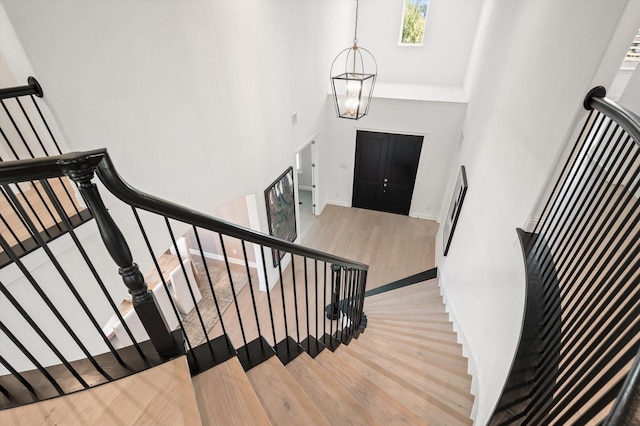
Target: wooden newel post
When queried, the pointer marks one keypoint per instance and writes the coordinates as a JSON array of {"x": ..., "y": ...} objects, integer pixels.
[
  {"x": 333, "y": 310},
  {"x": 143, "y": 300}
]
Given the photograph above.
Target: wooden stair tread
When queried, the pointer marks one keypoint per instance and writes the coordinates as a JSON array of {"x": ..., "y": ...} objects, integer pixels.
[
  {"x": 443, "y": 389},
  {"x": 400, "y": 306},
  {"x": 435, "y": 325},
  {"x": 419, "y": 402},
  {"x": 404, "y": 309},
  {"x": 410, "y": 299},
  {"x": 409, "y": 318},
  {"x": 426, "y": 341},
  {"x": 442, "y": 335},
  {"x": 405, "y": 292},
  {"x": 378, "y": 402},
  {"x": 338, "y": 406},
  {"x": 284, "y": 401},
  {"x": 225, "y": 396},
  {"x": 420, "y": 370},
  {"x": 159, "y": 395},
  {"x": 451, "y": 358},
  {"x": 428, "y": 284}
]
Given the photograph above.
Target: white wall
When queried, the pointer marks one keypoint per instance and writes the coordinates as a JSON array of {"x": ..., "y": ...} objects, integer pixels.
[
  {"x": 169, "y": 87},
  {"x": 192, "y": 99},
  {"x": 526, "y": 86},
  {"x": 448, "y": 39},
  {"x": 630, "y": 98}
]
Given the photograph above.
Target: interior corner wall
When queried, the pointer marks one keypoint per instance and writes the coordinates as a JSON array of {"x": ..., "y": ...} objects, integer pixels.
[
  {"x": 523, "y": 103},
  {"x": 185, "y": 95}
]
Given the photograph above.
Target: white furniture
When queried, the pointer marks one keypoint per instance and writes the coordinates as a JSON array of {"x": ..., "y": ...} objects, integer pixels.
[{"x": 180, "y": 287}]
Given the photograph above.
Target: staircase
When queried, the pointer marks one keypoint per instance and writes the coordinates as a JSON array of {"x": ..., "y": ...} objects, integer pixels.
[{"x": 406, "y": 368}]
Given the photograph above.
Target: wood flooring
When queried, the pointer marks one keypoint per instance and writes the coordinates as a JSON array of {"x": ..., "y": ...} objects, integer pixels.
[{"x": 162, "y": 395}]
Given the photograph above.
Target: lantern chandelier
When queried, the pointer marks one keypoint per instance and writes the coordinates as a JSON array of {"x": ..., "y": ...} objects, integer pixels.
[{"x": 352, "y": 89}]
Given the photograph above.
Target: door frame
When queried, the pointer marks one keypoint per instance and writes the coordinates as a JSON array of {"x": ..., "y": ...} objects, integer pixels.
[
  {"x": 313, "y": 143},
  {"x": 382, "y": 130}
]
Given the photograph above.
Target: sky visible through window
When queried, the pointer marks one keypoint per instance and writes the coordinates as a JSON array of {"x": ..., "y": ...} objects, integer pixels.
[{"x": 413, "y": 21}]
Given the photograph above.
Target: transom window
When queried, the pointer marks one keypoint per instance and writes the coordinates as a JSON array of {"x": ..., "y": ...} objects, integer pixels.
[{"x": 414, "y": 18}]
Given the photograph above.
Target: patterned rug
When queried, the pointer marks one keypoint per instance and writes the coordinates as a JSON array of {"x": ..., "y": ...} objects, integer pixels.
[{"x": 192, "y": 323}]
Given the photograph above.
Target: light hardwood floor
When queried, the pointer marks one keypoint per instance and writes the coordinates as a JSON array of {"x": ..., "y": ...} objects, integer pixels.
[
  {"x": 393, "y": 246},
  {"x": 39, "y": 207},
  {"x": 162, "y": 395}
]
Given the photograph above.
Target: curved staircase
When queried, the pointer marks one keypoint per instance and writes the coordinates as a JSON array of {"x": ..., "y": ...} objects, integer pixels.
[{"x": 406, "y": 368}]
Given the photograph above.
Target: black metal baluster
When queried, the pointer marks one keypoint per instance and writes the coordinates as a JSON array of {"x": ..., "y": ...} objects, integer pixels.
[
  {"x": 159, "y": 271},
  {"x": 26, "y": 145},
  {"x": 44, "y": 149},
  {"x": 10, "y": 229},
  {"x": 601, "y": 209},
  {"x": 333, "y": 312},
  {"x": 306, "y": 296},
  {"x": 579, "y": 212},
  {"x": 284, "y": 307},
  {"x": 24, "y": 197},
  {"x": 186, "y": 278},
  {"x": 46, "y": 124},
  {"x": 569, "y": 196},
  {"x": 324, "y": 300},
  {"x": 39, "y": 331},
  {"x": 266, "y": 283},
  {"x": 315, "y": 268},
  {"x": 65, "y": 278},
  {"x": 295, "y": 298},
  {"x": 31, "y": 358},
  {"x": 19, "y": 377},
  {"x": 253, "y": 298},
  {"x": 587, "y": 125},
  {"x": 233, "y": 290},
  {"x": 615, "y": 210},
  {"x": 550, "y": 222},
  {"x": 211, "y": 287}
]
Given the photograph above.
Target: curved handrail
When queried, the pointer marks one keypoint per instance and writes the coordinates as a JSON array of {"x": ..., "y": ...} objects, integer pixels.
[
  {"x": 68, "y": 164},
  {"x": 627, "y": 119}
]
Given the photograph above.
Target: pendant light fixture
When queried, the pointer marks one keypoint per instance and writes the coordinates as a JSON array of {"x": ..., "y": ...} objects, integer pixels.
[{"x": 353, "y": 76}]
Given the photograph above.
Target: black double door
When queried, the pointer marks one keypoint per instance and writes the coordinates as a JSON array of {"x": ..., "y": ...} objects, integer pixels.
[{"x": 385, "y": 171}]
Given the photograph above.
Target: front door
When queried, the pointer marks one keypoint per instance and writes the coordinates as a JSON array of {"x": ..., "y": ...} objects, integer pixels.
[{"x": 385, "y": 171}]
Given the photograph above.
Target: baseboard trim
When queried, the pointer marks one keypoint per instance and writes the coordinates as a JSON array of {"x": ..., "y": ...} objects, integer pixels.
[
  {"x": 413, "y": 279},
  {"x": 339, "y": 203},
  {"x": 214, "y": 256},
  {"x": 424, "y": 216},
  {"x": 466, "y": 350}
]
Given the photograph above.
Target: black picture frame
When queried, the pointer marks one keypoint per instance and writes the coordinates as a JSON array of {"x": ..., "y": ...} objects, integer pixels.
[
  {"x": 280, "y": 202},
  {"x": 453, "y": 214}
]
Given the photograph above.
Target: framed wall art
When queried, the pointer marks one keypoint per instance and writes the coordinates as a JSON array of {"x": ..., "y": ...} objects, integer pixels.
[
  {"x": 454, "y": 209},
  {"x": 281, "y": 210}
]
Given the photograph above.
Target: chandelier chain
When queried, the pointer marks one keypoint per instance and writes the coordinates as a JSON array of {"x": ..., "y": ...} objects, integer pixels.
[{"x": 355, "y": 34}]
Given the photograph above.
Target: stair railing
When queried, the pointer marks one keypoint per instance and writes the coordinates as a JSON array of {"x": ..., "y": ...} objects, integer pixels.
[
  {"x": 25, "y": 133},
  {"x": 581, "y": 329},
  {"x": 284, "y": 320}
]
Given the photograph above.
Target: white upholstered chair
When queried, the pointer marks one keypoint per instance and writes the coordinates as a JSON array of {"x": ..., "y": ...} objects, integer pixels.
[{"x": 180, "y": 287}]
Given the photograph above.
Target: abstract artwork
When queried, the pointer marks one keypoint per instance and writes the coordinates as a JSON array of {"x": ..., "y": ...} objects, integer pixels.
[
  {"x": 281, "y": 210},
  {"x": 454, "y": 209}
]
